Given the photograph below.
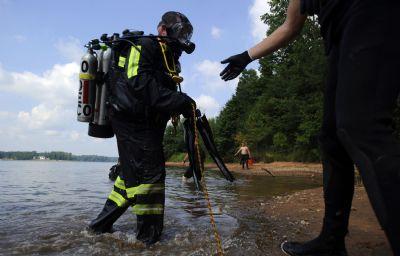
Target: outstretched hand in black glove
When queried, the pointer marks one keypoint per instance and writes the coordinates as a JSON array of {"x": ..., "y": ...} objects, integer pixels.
[{"x": 236, "y": 64}]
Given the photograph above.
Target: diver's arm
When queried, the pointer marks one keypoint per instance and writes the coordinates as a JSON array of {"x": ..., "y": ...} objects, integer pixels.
[
  {"x": 148, "y": 87},
  {"x": 165, "y": 100},
  {"x": 283, "y": 35},
  {"x": 279, "y": 38}
]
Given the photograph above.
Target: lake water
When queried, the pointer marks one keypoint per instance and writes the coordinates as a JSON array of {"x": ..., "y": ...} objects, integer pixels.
[{"x": 47, "y": 205}]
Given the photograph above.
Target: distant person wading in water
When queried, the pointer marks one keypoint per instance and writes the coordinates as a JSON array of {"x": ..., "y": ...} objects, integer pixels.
[{"x": 244, "y": 155}]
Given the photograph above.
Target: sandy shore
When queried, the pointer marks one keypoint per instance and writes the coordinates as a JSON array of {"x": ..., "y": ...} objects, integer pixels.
[
  {"x": 299, "y": 216},
  {"x": 275, "y": 168}
]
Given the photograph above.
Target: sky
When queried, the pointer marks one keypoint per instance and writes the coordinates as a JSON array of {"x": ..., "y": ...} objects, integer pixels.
[{"x": 42, "y": 43}]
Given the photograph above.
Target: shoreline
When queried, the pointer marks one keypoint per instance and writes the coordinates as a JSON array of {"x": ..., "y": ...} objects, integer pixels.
[
  {"x": 272, "y": 169},
  {"x": 298, "y": 216}
]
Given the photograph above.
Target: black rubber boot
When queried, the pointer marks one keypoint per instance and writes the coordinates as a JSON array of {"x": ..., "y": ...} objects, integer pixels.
[
  {"x": 338, "y": 179},
  {"x": 323, "y": 245},
  {"x": 149, "y": 228},
  {"x": 110, "y": 213}
]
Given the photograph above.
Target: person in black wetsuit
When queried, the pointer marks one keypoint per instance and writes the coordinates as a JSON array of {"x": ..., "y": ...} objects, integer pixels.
[
  {"x": 143, "y": 96},
  {"x": 362, "y": 44}
]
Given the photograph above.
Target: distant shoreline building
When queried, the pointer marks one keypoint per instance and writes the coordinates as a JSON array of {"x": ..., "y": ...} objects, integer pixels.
[{"x": 40, "y": 158}]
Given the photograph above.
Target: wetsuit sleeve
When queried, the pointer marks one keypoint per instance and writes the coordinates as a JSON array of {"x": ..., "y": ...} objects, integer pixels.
[
  {"x": 159, "y": 98},
  {"x": 163, "y": 99},
  {"x": 152, "y": 89}
]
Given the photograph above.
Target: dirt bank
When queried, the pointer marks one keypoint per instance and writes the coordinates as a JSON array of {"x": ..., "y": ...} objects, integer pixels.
[
  {"x": 298, "y": 217},
  {"x": 275, "y": 168}
]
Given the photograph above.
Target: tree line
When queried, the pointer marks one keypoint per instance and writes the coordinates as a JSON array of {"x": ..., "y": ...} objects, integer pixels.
[
  {"x": 53, "y": 155},
  {"x": 277, "y": 112}
]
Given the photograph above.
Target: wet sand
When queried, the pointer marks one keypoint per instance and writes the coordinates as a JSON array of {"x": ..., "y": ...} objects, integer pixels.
[
  {"x": 298, "y": 216},
  {"x": 275, "y": 168}
]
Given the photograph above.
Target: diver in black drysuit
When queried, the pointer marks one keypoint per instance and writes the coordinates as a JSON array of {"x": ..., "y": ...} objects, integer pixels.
[
  {"x": 143, "y": 97},
  {"x": 362, "y": 42}
]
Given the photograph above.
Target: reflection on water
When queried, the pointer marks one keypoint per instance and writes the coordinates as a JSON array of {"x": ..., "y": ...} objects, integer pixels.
[{"x": 46, "y": 206}]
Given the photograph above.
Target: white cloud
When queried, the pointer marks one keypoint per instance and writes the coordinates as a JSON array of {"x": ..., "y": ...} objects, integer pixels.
[
  {"x": 71, "y": 49},
  {"x": 205, "y": 85},
  {"x": 74, "y": 135},
  {"x": 4, "y": 114},
  {"x": 208, "y": 72},
  {"x": 208, "y": 104},
  {"x": 215, "y": 32},
  {"x": 51, "y": 123},
  {"x": 46, "y": 117},
  {"x": 57, "y": 86},
  {"x": 20, "y": 38},
  {"x": 55, "y": 92},
  {"x": 258, "y": 27}
]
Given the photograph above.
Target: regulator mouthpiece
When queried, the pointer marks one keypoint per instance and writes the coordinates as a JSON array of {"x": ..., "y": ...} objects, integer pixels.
[{"x": 189, "y": 47}]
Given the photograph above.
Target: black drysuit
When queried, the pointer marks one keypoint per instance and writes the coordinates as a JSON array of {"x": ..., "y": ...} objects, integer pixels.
[
  {"x": 362, "y": 38},
  {"x": 143, "y": 97}
]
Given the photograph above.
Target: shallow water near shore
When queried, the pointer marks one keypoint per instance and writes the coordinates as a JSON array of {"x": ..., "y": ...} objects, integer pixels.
[{"x": 46, "y": 206}]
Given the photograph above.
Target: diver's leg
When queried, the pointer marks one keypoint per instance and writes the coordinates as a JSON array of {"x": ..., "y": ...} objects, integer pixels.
[
  {"x": 105, "y": 220},
  {"x": 368, "y": 88},
  {"x": 149, "y": 194},
  {"x": 116, "y": 203},
  {"x": 338, "y": 181}
]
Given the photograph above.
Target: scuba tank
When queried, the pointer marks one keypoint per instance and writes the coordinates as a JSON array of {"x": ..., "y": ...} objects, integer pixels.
[
  {"x": 87, "y": 86},
  {"x": 100, "y": 126},
  {"x": 92, "y": 95}
]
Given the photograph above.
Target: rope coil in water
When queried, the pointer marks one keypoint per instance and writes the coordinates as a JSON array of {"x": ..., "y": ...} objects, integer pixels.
[{"x": 203, "y": 182}]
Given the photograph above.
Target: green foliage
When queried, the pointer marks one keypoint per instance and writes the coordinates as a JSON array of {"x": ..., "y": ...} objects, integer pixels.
[
  {"x": 177, "y": 157},
  {"x": 278, "y": 113},
  {"x": 173, "y": 141}
]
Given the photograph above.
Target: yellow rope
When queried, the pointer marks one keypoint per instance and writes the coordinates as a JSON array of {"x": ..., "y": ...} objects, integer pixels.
[
  {"x": 172, "y": 71},
  {"x": 203, "y": 182}
]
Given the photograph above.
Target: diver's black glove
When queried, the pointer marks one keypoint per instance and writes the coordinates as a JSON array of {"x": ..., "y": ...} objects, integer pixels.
[{"x": 237, "y": 63}]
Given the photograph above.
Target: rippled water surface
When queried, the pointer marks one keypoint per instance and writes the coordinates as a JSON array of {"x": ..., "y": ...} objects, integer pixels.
[{"x": 46, "y": 206}]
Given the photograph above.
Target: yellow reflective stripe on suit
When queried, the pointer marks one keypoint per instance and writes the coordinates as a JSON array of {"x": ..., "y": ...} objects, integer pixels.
[
  {"x": 144, "y": 189},
  {"x": 146, "y": 209},
  {"x": 121, "y": 61},
  {"x": 117, "y": 198},
  {"x": 133, "y": 62},
  {"x": 119, "y": 183}
]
